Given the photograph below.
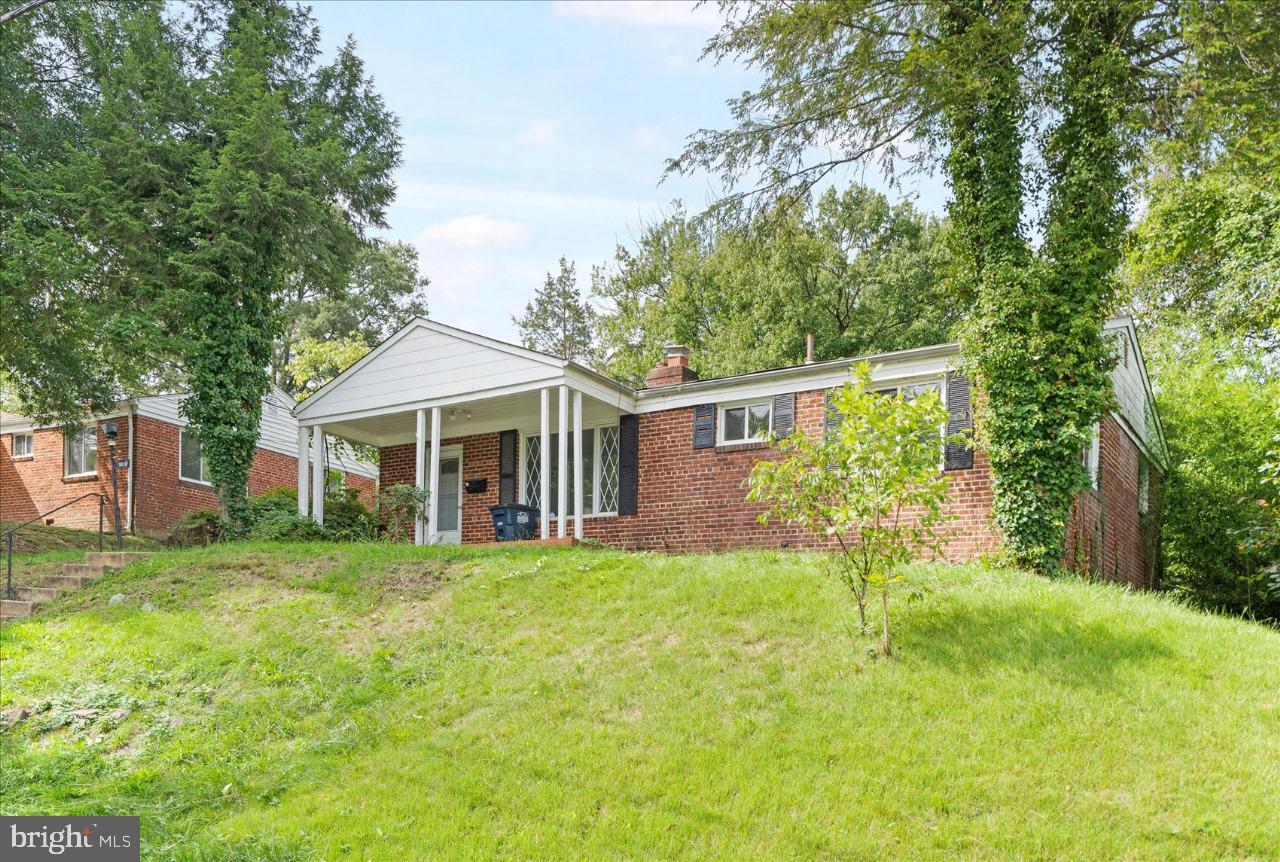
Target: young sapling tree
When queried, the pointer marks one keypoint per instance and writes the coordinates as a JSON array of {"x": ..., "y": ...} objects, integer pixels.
[{"x": 873, "y": 484}]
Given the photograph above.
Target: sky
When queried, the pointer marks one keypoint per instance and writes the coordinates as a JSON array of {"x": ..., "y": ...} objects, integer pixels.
[{"x": 536, "y": 130}]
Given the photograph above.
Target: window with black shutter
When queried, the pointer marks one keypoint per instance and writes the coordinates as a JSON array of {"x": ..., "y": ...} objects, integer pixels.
[
  {"x": 704, "y": 426},
  {"x": 959, "y": 454},
  {"x": 506, "y": 468},
  {"x": 628, "y": 463},
  {"x": 784, "y": 414}
]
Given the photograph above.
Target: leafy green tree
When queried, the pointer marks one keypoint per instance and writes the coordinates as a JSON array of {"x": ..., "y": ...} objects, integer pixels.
[
  {"x": 316, "y": 362},
  {"x": 873, "y": 487},
  {"x": 1218, "y": 402},
  {"x": 558, "y": 320},
  {"x": 384, "y": 292},
  {"x": 970, "y": 84},
  {"x": 859, "y": 274},
  {"x": 1207, "y": 250},
  {"x": 293, "y": 163},
  {"x": 94, "y": 98}
]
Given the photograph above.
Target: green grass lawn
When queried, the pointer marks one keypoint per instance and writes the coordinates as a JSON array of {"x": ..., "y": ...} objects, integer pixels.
[{"x": 378, "y": 702}]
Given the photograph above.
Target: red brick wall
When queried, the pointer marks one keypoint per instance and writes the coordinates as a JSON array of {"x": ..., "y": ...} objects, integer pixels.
[
  {"x": 1106, "y": 536},
  {"x": 479, "y": 461},
  {"x": 33, "y": 485},
  {"x": 694, "y": 499}
]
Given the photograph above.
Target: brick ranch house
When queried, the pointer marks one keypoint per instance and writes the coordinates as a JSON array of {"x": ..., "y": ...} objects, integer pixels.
[
  {"x": 165, "y": 476},
  {"x": 663, "y": 467}
]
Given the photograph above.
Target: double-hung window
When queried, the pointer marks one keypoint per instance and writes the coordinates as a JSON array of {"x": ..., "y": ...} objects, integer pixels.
[
  {"x": 191, "y": 466},
  {"x": 746, "y": 423},
  {"x": 22, "y": 447},
  {"x": 599, "y": 471},
  {"x": 80, "y": 453}
]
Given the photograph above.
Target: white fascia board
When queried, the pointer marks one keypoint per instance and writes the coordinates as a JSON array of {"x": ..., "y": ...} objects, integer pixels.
[
  {"x": 905, "y": 366},
  {"x": 555, "y": 378},
  {"x": 601, "y": 388}
]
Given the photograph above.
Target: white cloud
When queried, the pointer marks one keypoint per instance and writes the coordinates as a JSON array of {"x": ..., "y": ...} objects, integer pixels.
[
  {"x": 537, "y": 134},
  {"x": 476, "y": 231},
  {"x": 649, "y": 139},
  {"x": 649, "y": 14}
]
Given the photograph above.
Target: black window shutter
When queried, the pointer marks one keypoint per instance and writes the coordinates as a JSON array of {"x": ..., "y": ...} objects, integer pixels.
[
  {"x": 784, "y": 414},
  {"x": 704, "y": 426},
  {"x": 831, "y": 416},
  {"x": 959, "y": 421},
  {"x": 506, "y": 468},
  {"x": 628, "y": 463}
]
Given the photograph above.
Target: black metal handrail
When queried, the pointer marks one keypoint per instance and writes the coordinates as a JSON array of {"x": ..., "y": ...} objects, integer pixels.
[{"x": 8, "y": 535}]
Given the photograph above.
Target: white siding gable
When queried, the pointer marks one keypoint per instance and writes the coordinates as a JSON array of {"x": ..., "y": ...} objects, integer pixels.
[
  {"x": 426, "y": 361},
  {"x": 1135, "y": 406}
]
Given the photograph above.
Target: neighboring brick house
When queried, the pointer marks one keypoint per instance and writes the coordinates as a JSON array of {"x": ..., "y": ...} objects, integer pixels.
[
  {"x": 664, "y": 467},
  {"x": 164, "y": 478}
]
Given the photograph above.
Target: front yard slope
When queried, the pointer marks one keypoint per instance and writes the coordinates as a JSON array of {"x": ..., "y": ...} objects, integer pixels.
[{"x": 377, "y": 702}]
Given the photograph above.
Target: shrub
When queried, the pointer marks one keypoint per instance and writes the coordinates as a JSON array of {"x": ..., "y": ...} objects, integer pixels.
[
  {"x": 1220, "y": 548},
  {"x": 346, "y": 518},
  {"x": 197, "y": 528},
  {"x": 398, "y": 508},
  {"x": 280, "y": 526}
]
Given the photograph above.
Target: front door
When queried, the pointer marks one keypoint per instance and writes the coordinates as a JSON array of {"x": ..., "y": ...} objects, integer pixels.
[{"x": 449, "y": 506}]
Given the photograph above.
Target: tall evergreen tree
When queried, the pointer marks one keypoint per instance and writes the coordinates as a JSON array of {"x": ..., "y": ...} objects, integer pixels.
[{"x": 558, "y": 319}]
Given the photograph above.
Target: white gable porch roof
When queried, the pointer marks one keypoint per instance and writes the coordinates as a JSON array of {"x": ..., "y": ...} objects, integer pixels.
[{"x": 428, "y": 364}]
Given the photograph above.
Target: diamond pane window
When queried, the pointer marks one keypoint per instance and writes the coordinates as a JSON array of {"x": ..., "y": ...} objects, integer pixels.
[
  {"x": 608, "y": 469},
  {"x": 599, "y": 469},
  {"x": 533, "y": 471}
]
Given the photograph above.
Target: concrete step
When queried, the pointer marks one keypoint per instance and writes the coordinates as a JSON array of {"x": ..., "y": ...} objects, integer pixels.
[
  {"x": 115, "y": 559},
  {"x": 65, "y": 582},
  {"x": 84, "y": 570},
  {"x": 10, "y": 609},
  {"x": 35, "y": 595}
]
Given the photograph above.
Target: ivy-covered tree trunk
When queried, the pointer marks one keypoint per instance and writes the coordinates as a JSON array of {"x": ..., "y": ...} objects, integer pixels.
[
  {"x": 1069, "y": 360},
  {"x": 295, "y": 161}
]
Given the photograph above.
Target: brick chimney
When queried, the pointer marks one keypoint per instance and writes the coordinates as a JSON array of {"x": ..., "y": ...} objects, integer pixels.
[{"x": 674, "y": 369}]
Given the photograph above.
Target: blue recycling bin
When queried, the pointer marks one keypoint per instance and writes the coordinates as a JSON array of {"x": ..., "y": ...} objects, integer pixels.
[{"x": 513, "y": 522}]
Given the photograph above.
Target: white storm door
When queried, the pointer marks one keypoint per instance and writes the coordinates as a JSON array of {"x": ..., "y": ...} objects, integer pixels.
[{"x": 449, "y": 507}]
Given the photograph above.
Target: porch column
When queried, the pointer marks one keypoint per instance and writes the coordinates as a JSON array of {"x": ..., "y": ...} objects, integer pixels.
[
  {"x": 304, "y": 460},
  {"x": 318, "y": 476},
  {"x": 562, "y": 456},
  {"x": 433, "y": 479},
  {"x": 577, "y": 465},
  {"x": 420, "y": 476},
  {"x": 544, "y": 455}
]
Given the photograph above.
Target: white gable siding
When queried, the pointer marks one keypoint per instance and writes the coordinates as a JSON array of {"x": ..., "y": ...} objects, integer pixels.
[
  {"x": 424, "y": 364},
  {"x": 1133, "y": 400}
]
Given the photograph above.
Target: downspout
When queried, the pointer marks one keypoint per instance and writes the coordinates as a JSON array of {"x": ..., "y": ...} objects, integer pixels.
[{"x": 128, "y": 508}]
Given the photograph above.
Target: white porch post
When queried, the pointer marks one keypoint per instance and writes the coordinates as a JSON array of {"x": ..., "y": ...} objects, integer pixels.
[
  {"x": 318, "y": 476},
  {"x": 544, "y": 455},
  {"x": 577, "y": 465},
  {"x": 433, "y": 479},
  {"x": 420, "y": 476},
  {"x": 562, "y": 458},
  {"x": 304, "y": 460}
]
